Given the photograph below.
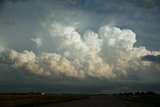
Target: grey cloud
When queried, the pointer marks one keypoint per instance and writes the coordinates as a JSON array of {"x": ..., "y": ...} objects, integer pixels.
[
  {"x": 151, "y": 58},
  {"x": 119, "y": 13},
  {"x": 150, "y": 5}
]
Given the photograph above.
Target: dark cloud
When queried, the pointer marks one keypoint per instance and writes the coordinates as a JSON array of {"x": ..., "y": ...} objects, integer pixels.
[
  {"x": 150, "y": 4},
  {"x": 151, "y": 58}
]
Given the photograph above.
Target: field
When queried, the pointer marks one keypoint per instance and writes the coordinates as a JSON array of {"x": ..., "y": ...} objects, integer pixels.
[
  {"x": 143, "y": 100},
  {"x": 78, "y": 100},
  {"x": 22, "y": 99}
]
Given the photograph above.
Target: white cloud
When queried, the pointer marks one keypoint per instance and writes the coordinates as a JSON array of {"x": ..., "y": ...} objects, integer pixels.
[
  {"x": 38, "y": 41},
  {"x": 108, "y": 54}
]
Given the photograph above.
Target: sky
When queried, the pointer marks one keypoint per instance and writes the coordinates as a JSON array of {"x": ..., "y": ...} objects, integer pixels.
[{"x": 79, "y": 46}]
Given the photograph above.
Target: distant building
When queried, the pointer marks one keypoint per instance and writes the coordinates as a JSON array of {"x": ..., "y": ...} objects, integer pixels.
[{"x": 42, "y": 93}]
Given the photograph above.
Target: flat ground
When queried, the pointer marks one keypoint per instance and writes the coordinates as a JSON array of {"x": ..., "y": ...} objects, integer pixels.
[
  {"x": 77, "y": 100},
  {"x": 99, "y": 101}
]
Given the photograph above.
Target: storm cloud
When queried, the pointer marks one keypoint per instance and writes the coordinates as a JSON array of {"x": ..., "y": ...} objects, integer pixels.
[
  {"x": 106, "y": 54},
  {"x": 62, "y": 46}
]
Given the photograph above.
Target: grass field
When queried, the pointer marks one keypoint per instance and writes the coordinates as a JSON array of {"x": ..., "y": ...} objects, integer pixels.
[
  {"x": 143, "y": 100},
  {"x": 78, "y": 100},
  {"x": 11, "y": 100}
]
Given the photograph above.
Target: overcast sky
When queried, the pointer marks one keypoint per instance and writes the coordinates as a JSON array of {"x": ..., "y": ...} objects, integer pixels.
[{"x": 79, "y": 45}]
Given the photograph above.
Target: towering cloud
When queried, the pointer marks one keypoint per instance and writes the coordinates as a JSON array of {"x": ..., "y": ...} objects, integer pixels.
[{"x": 108, "y": 54}]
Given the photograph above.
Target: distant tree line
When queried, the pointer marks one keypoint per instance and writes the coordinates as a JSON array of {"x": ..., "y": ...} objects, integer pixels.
[
  {"x": 138, "y": 93},
  {"x": 29, "y": 93}
]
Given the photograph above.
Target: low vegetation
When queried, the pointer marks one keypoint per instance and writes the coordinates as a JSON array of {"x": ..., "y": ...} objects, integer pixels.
[
  {"x": 144, "y": 99},
  {"x": 32, "y": 99}
]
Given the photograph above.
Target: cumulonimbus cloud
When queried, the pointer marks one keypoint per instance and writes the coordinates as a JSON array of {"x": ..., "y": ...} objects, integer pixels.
[{"x": 108, "y": 54}]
